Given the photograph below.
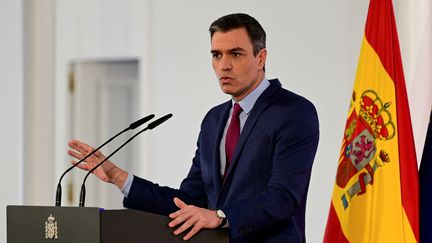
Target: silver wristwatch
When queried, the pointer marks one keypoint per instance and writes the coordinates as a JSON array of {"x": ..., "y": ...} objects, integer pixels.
[{"x": 220, "y": 214}]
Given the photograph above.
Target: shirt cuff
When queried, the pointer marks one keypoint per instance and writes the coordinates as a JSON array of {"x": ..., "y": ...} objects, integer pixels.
[{"x": 127, "y": 185}]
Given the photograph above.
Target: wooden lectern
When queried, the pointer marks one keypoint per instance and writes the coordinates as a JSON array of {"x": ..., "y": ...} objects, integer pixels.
[{"x": 38, "y": 224}]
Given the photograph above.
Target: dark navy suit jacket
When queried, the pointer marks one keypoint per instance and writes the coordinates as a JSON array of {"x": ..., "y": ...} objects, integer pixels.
[{"x": 264, "y": 193}]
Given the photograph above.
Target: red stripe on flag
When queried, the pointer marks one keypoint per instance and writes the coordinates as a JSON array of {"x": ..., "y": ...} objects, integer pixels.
[
  {"x": 381, "y": 32},
  {"x": 333, "y": 231}
]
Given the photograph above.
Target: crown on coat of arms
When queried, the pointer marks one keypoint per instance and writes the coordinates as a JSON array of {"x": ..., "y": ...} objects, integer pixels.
[
  {"x": 51, "y": 219},
  {"x": 375, "y": 112}
]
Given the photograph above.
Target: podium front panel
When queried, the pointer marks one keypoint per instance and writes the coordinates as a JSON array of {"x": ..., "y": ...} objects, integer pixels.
[
  {"x": 38, "y": 224},
  {"x": 134, "y": 226}
]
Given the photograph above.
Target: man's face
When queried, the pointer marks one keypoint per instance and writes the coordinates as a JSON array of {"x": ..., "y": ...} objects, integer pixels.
[{"x": 238, "y": 70}]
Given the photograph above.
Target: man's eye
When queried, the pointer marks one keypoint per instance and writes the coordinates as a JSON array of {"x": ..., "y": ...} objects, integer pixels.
[
  {"x": 236, "y": 54},
  {"x": 215, "y": 55}
]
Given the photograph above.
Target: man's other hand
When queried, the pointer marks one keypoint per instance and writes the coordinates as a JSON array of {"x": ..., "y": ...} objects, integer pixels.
[
  {"x": 193, "y": 218},
  {"x": 108, "y": 172}
]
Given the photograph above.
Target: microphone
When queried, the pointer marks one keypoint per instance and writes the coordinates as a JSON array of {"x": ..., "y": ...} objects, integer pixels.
[
  {"x": 131, "y": 127},
  {"x": 150, "y": 126}
]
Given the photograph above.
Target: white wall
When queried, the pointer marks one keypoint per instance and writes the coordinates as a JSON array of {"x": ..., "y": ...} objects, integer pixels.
[
  {"x": 11, "y": 108},
  {"x": 313, "y": 49}
]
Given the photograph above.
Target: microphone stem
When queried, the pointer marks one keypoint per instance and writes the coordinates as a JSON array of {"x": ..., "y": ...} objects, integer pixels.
[
  {"x": 82, "y": 196},
  {"x": 58, "y": 195}
]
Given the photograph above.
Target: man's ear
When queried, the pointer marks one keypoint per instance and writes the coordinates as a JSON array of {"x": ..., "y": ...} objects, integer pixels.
[{"x": 262, "y": 57}]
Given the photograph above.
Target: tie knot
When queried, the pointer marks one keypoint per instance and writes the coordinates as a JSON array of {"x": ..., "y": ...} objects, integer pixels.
[{"x": 237, "y": 110}]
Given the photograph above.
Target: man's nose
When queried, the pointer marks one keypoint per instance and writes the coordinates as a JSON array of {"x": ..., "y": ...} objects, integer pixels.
[{"x": 225, "y": 63}]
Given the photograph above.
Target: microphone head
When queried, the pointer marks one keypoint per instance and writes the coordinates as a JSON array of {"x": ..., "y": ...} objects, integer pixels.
[
  {"x": 141, "y": 121},
  {"x": 159, "y": 121}
]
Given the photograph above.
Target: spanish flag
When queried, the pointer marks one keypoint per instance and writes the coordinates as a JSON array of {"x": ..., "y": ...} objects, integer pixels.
[{"x": 376, "y": 194}]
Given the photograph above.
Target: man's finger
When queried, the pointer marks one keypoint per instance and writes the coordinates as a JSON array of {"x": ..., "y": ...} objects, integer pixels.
[
  {"x": 197, "y": 227},
  {"x": 179, "y": 203},
  {"x": 75, "y": 154},
  {"x": 80, "y": 146},
  {"x": 175, "y": 214},
  {"x": 80, "y": 156},
  {"x": 83, "y": 166},
  {"x": 186, "y": 225},
  {"x": 178, "y": 220}
]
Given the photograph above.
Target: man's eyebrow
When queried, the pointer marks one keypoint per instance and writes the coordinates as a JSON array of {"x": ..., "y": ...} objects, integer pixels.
[{"x": 236, "y": 49}]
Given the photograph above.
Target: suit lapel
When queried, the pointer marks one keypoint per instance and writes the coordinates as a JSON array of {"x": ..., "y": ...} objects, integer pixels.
[
  {"x": 217, "y": 178},
  {"x": 259, "y": 107}
]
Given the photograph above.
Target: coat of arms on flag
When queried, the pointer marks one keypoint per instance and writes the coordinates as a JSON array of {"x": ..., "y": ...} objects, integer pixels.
[{"x": 373, "y": 121}]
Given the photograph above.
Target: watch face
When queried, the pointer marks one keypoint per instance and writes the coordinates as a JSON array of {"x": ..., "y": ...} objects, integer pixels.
[{"x": 220, "y": 214}]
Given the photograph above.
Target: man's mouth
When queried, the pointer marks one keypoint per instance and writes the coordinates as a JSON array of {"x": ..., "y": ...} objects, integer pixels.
[{"x": 225, "y": 79}]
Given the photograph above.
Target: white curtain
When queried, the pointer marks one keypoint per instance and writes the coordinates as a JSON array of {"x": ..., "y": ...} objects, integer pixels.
[{"x": 414, "y": 20}]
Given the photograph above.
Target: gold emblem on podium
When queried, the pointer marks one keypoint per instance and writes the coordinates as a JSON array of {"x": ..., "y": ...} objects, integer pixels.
[{"x": 51, "y": 228}]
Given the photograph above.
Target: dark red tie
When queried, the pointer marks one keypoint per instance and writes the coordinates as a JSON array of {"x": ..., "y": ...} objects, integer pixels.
[{"x": 233, "y": 134}]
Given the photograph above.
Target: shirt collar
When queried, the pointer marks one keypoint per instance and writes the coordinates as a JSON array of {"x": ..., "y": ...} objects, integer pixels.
[{"x": 249, "y": 101}]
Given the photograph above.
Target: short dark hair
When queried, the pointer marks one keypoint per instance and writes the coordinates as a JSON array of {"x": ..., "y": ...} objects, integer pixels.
[{"x": 253, "y": 28}]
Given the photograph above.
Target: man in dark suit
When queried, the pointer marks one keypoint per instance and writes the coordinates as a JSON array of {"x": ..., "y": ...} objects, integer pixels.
[{"x": 254, "y": 154}]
